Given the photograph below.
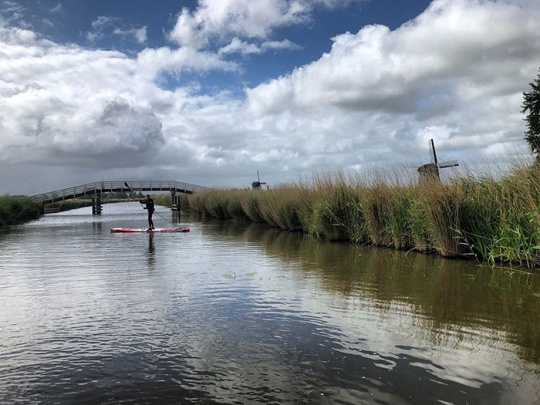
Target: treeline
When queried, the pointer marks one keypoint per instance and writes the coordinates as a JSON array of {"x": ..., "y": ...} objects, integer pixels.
[
  {"x": 492, "y": 220},
  {"x": 17, "y": 210}
]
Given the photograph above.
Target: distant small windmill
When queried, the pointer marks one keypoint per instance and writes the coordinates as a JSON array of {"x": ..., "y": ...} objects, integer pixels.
[
  {"x": 257, "y": 184},
  {"x": 430, "y": 171}
]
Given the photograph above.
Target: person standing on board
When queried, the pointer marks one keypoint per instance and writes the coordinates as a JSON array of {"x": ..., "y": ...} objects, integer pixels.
[{"x": 149, "y": 205}]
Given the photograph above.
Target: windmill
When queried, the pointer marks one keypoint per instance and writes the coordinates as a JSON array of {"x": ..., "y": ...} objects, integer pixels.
[
  {"x": 430, "y": 171},
  {"x": 257, "y": 184}
]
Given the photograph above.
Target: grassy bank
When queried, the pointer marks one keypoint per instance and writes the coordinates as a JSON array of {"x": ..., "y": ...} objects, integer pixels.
[
  {"x": 494, "y": 221},
  {"x": 70, "y": 204},
  {"x": 17, "y": 210},
  {"x": 165, "y": 200}
]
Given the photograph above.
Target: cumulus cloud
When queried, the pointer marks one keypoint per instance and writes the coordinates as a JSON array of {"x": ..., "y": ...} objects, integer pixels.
[
  {"x": 455, "y": 65},
  {"x": 243, "y": 18},
  {"x": 59, "y": 100},
  {"x": 236, "y": 24},
  {"x": 452, "y": 49},
  {"x": 203, "y": 38}
]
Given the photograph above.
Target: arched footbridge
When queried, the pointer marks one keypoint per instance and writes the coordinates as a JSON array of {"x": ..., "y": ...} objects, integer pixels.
[{"x": 99, "y": 187}]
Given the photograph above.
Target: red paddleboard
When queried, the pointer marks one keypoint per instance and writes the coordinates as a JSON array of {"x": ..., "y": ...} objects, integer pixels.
[{"x": 145, "y": 230}]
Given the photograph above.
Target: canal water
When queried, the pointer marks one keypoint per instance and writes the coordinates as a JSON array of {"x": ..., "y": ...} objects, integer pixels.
[{"x": 243, "y": 314}]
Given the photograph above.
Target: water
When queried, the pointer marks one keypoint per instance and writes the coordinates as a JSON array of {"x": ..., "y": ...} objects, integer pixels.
[{"x": 243, "y": 314}]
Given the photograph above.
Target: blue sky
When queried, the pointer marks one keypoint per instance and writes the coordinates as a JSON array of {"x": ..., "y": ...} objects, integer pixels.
[
  {"x": 91, "y": 23},
  {"x": 211, "y": 91}
]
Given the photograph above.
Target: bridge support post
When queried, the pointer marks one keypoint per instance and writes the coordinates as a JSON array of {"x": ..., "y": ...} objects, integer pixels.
[
  {"x": 96, "y": 203},
  {"x": 175, "y": 200}
]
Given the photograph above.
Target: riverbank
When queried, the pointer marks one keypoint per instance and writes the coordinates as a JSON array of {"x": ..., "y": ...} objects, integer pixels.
[
  {"x": 491, "y": 220},
  {"x": 16, "y": 210}
]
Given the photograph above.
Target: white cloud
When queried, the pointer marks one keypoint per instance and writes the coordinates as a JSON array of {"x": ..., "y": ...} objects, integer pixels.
[
  {"x": 154, "y": 61},
  {"x": 105, "y": 26},
  {"x": 280, "y": 45},
  {"x": 228, "y": 22},
  {"x": 462, "y": 64},
  {"x": 138, "y": 34},
  {"x": 244, "y": 18},
  {"x": 57, "y": 8},
  {"x": 245, "y": 48},
  {"x": 215, "y": 30},
  {"x": 241, "y": 47},
  {"x": 446, "y": 50},
  {"x": 59, "y": 100},
  {"x": 12, "y": 10}
]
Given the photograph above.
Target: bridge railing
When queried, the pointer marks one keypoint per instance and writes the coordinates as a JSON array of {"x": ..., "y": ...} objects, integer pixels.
[{"x": 116, "y": 186}]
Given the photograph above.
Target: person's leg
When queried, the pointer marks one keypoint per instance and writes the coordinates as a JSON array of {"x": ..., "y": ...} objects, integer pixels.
[{"x": 150, "y": 221}]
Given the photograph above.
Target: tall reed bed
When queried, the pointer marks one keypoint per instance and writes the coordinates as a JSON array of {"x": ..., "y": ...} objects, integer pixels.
[{"x": 489, "y": 219}]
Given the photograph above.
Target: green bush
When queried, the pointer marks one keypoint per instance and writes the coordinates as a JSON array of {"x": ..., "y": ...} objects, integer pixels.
[{"x": 18, "y": 209}]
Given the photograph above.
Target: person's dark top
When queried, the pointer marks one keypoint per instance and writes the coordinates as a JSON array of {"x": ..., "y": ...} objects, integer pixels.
[{"x": 149, "y": 204}]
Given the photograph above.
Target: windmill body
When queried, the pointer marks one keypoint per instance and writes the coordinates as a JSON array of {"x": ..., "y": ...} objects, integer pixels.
[
  {"x": 430, "y": 171},
  {"x": 256, "y": 185}
]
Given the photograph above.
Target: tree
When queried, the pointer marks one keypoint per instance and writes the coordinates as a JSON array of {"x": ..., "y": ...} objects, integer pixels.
[{"x": 531, "y": 107}]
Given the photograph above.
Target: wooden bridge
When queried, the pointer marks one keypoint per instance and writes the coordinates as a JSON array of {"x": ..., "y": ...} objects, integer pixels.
[{"x": 97, "y": 188}]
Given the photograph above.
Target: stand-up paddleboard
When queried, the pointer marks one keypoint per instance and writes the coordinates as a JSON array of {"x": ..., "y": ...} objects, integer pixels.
[{"x": 146, "y": 230}]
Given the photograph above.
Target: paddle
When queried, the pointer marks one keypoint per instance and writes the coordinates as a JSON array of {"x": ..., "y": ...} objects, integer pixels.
[{"x": 131, "y": 190}]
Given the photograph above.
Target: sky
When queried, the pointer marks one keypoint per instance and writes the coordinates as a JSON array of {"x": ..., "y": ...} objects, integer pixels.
[{"x": 211, "y": 92}]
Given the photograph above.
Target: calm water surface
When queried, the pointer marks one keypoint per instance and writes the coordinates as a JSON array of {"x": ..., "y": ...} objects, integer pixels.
[{"x": 243, "y": 314}]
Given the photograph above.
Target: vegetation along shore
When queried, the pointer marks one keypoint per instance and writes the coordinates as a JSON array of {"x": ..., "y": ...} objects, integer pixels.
[
  {"x": 16, "y": 210},
  {"x": 490, "y": 220}
]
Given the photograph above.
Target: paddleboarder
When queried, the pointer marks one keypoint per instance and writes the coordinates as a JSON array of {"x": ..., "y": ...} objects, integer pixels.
[{"x": 149, "y": 205}]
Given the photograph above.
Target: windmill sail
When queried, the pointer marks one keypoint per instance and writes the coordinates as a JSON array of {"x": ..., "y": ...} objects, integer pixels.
[
  {"x": 433, "y": 153},
  {"x": 448, "y": 163}
]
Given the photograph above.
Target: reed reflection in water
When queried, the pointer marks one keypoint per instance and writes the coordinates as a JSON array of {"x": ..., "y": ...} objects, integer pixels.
[{"x": 236, "y": 313}]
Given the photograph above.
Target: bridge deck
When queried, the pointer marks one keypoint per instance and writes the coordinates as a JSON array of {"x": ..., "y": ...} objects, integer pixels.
[{"x": 116, "y": 186}]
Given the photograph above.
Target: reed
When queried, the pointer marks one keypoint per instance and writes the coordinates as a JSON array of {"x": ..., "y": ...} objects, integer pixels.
[
  {"x": 326, "y": 209},
  {"x": 519, "y": 230},
  {"x": 422, "y": 233},
  {"x": 306, "y": 198},
  {"x": 386, "y": 205},
  {"x": 355, "y": 218},
  {"x": 250, "y": 205},
  {"x": 443, "y": 206},
  {"x": 233, "y": 205},
  {"x": 481, "y": 222},
  {"x": 279, "y": 207},
  {"x": 399, "y": 216},
  {"x": 491, "y": 219},
  {"x": 374, "y": 205}
]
